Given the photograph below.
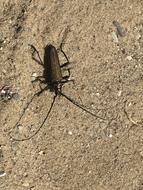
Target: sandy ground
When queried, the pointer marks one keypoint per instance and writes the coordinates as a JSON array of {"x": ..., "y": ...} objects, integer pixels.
[{"x": 73, "y": 150}]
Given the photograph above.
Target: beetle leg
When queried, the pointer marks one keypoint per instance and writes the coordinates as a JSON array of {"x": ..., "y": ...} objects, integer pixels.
[
  {"x": 66, "y": 79},
  {"x": 69, "y": 73},
  {"x": 41, "y": 91},
  {"x": 65, "y": 64},
  {"x": 64, "y": 52},
  {"x": 40, "y": 62},
  {"x": 39, "y": 78}
]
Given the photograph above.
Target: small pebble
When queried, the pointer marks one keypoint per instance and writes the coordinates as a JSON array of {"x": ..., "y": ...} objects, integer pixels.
[
  {"x": 34, "y": 76},
  {"x": 138, "y": 36},
  {"x": 3, "y": 91},
  {"x": 110, "y": 135},
  {"x": 4, "y": 71},
  {"x": 25, "y": 184},
  {"x": 97, "y": 94},
  {"x": 20, "y": 127},
  {"x": 25, "y": 174},
  {"x": 10, "y": 21},
  {"x": 129, "y": 58},
  {"x": 2, "y": 174},
  {"x": 129, "y": 104},
  {"x": 92, "y": 105},
  {"x": 141, "y": 154},
  {"x": 41, "y": 152},
  {"x": 115, "y": 38},
  {"x": 70, "y": 132},
  {"x": 119, "y": 93}
]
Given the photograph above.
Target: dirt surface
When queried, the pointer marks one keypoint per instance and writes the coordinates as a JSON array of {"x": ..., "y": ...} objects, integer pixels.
[{"x": 73, "y": 150}]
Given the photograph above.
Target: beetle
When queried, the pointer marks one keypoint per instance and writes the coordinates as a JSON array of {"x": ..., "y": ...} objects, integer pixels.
[{"x": 54, "y": 80}]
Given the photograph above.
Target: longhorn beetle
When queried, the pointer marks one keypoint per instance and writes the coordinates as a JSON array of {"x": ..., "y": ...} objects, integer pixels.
[{"x": 53, "y": 78}]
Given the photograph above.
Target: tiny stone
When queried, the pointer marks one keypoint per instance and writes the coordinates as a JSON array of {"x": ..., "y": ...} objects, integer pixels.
[
  {"x": 34, "y": 75},
  {"x": 138, "y": 36},
  {"x": 70, "y": 132},
  {"x": 115, "y": 38},
  {"x": 2, "y": 173},
  {"x": 123, "y": 50},
  {"x": 20, "y": 127},
  {"x": 129, "y": 58},
  {"x": 4, "y": 71},
  {"x": 119, "y": 93},
  {"x": 97, "y": 94},
  {"x": 25, "y": 174},
  {"x": 141, "y": 153},
  {"x": 3, "y": 91},
  {"x": 110, "y": 135},
  {"x": 41, "y": 152},
  {"x": 9, "y": 97},
  {"x": 92, "y": 105},
  {"x": 25, "y": 184},
  {"x": 130, "y": 104}
]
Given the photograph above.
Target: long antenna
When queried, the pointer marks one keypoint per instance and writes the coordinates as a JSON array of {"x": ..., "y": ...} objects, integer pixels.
[
  {"x": 27, "y": 105},
  {"x": 79, "y": 105},
  {"x": 28, "y": 138}
]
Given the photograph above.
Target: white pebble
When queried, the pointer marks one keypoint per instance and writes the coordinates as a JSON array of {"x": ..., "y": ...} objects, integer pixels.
[
  {"x": 34, "y": 75},
  {"x": 138, "y": 36},
  {"x": 129, "y": 104},
  {"x": 115, "y": 38},
  {"x": 98, "y": 94},
  {"x": 110, "y": 135},
  {"x": 92, "y": 105},
  {"x": 2, "y": 174},
  {"x": 41, "y": 152},
  {"x": 119, "y": 93},
  {"x": 70, "y": 132},
  {"x": 20, "y": 127},
  {"x": 25, "y": 184},
  {"x": 129, "y": 58},
  {"x": 3, "y": 91},
  {"x": 10, "y": 21}
]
